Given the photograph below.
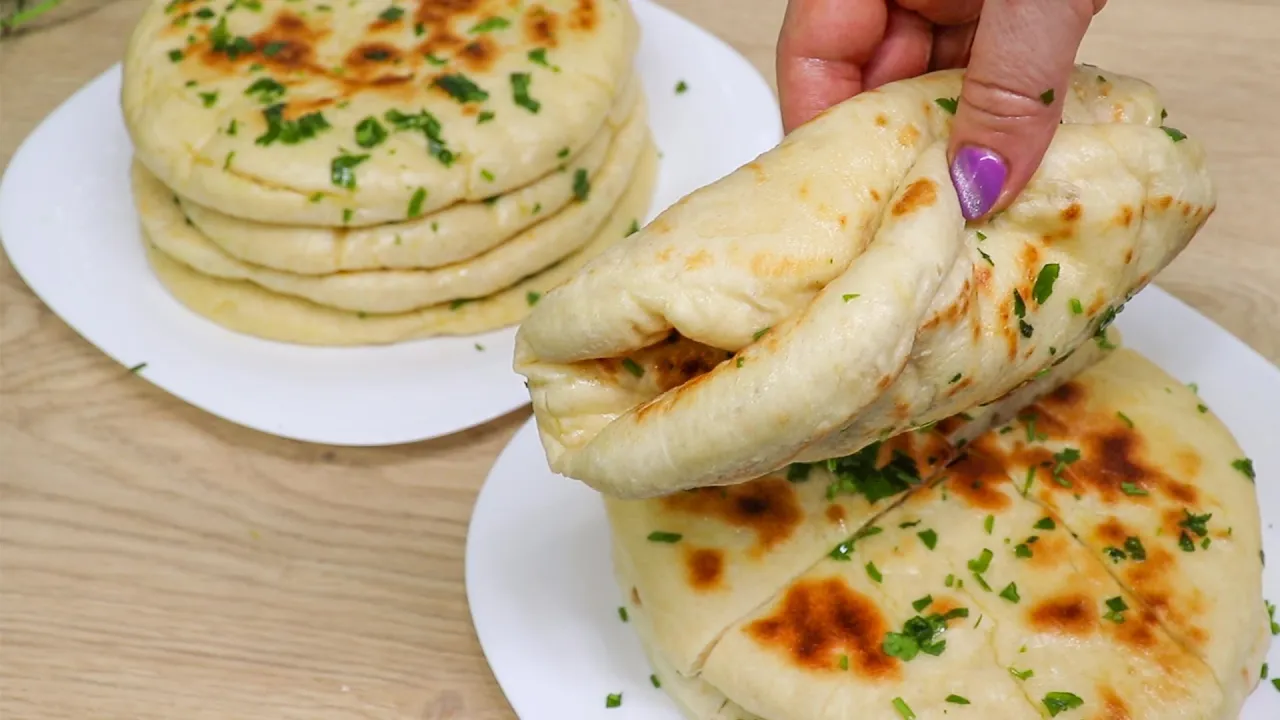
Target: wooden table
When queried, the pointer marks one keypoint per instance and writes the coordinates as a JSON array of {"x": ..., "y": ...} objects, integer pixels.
[{"x": 157, "y": 562}]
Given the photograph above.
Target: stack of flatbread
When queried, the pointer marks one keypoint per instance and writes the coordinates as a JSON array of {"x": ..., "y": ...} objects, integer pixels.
[
  {"x": 370, "y": 172},
  {"x": 863, "y": 459}
]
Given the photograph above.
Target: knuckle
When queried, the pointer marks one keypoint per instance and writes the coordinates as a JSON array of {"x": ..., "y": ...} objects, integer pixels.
[{"x": 1000, "y": 101}]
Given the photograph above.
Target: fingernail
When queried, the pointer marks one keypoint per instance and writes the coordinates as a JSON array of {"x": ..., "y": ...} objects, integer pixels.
[{"x": 978, "y": 175}]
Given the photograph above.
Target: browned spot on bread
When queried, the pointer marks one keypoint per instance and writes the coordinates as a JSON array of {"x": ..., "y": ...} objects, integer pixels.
[
  {"x": 1113, "y": 707},
  {"x": 843, "y": 220},
  {"x": 584, "y": 15},
  {"x": 1071, "y": 213},
  {"x": 1128, "y": 256},
  {"x": 1051, "y": 551},
  {"x": 758, "y": 170},
  {"x": 1161, "y": 202},
  {"x": 819, "y": 620},
  {"x": 704, "y": 568},
  {"x": 768, "y": 265},
  {"x": 378, "y": 54},
  {"x": 479, "y": 54},
  {"x": 1111, "y": 532},
  {"x": 677, "y": 361},
  {"x": 882, "y": 120},
  {"x": 540, "y": 26},
  {"x": 635, "y": 597},
  {"x": 1125, "y": 216},
  {"x": 766, "y": 506},
  {"x": 1157, "y": 582},
  {"x": 919, "y": 195},
  {"x": 835, "y": 513},
  {"x": 960, "y": 386},
  {"x": 875, "y": 194},
  {"x": 1067, "y": 614},
  {"x": 976, "y": 478},
  {"x": 908, "y": 135},
  {"x": 803, "y": 192},
  {"x": 664, "y": 255},
  {"x": 699, "y": 259}
]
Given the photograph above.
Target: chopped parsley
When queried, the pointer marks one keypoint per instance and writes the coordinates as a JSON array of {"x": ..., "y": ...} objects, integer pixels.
[
  {"x": 1197, "y": 524},
  {"x": 798, "y": 472},
  {"x": 347, "y": 214},
  {"x": 391, "y": 14},
  {"x": 1244, "y": 466},
  {"x": 208, "y": 99},
  {"x": 461, "y": 88},
  {"x": 1115, "y": 610},
  {"x": 665, "y": 537},
  {"x": 138, "y": 368},
  {"x": 1021, "y": 674},
  {"x": 273, "y": 48},
  {"x": 989, "y": 524},
  {"x": 538, "y": 56},
  {"x": 1271, "y": 615},
  {"x": 1045, "y": 523},
  {"x": 948, "y": 104},
  {"x": 1010, "y": 593},
  {"x": 1077, "y": 308},
  {"x": 290, "y": 132},
  {"x": 1175, "y": 134},
  {"x": 1061, "y": 460},
  {"x": 850, "y": 296},
  {"x": 843, "y": 662},
  {"x": 490, "y": 24},
  {"x": 922, "y": 603},
  {"x": 986, "y": 257},
  {"x": 429, "y": 126},
  {"x": 1060, "y": 702},
  {"x": 1022, "y": 550},
  {"x": 982, "y": 563},
  {"x": 175, "y": 55},
  {"x": 581, "y": 185},
  {"x": 532, "y": 297},
  {"x": 342, "y": 170},
  {"x": 1133, "y": 546},
  {"x": 613, "y": 700},
  {"x": 487, "y": 175},
  {"x": 874, "y": 573},
  {"x": 435, "y": 60},
  {"x": 222, "y": 41},
  {"x": 484, "y": 117},
  {"x": 1043, "y": 287},
  {"x": 622, "y": 614},
  {"x": 682, "y": 87},
  {"x": 631, "y": 366},
  {"x": 903, "y": 709},
  {"x": 265, "y": 90},
  {"x": 859, "y": 474},
  {"x": 653, "y": 679},
  {"x": 841, "y": 551},
  {"x": 1131, "y": 489},
  {"x": 370, "y": 133},
  {"x": 957, "y": 700},
  {"x": 1124, "y": 419},
  {"x": 415, "y": 202},
  {"x": 929, "y": 538},
  {"x": 921, "y": 635},
  {"x": 1046, "y": 97},
  {"x": 520, "y": 92}
]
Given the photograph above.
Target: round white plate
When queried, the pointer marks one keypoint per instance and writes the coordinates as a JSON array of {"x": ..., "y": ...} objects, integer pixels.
[
  {"x": 68, "y": 225},
  {"x": 540, "y": 581}
]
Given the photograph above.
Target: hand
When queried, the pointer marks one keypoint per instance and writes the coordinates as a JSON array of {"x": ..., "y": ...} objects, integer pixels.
[{"x": 1019, "y": 54}]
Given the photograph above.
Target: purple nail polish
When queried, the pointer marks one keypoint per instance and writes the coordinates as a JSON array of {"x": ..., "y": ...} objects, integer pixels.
[{"x": 979, "y": 176}]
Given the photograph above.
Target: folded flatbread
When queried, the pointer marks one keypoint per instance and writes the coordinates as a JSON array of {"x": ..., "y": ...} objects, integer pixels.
[
  {"x": 830, "y": 293},
  {"x": 1097, "y": 557}
]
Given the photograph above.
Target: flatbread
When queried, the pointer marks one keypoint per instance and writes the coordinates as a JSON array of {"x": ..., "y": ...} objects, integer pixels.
[
  {"x": 247, "y": 308},
  {"x": 397, "y": 291},
  {"x": 459, "y": 100},
  {"x": 459, "y": 232},
  {"x": 857, "y": 302},
  {"x": 1182, "y": 641}
]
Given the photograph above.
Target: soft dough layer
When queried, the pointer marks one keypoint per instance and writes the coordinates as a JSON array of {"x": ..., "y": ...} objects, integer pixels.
[
  {"x": 855, "y": 302},
  {"x": 244, "y": 307},
  {"x": 1100, "y": 554}
]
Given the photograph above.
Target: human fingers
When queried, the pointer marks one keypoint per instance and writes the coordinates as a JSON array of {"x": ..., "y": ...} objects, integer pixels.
[
  {"x": 1011, "y": 102},
  {"x": 903, "y": 52},
  {"x": 822, "y": 49},
  {"x": 951, "y": 46}
]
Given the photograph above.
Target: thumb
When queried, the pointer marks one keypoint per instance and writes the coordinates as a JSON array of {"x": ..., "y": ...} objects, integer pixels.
[{"x": 1023, "y": 55}]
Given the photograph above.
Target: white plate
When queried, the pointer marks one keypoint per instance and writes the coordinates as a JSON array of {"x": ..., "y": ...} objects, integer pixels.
[
  {"x": 540, "y": 581},
  {"x": 69, "y": 228}
]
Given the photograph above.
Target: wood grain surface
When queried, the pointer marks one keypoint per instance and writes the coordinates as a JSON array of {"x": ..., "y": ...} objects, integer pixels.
[{"x": 156, "y": 562}]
